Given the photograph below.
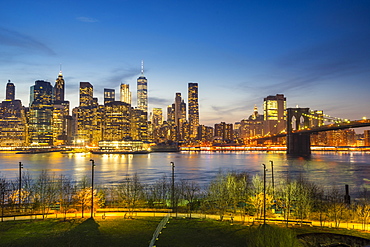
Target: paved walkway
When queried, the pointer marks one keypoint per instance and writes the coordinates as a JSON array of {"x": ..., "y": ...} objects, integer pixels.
[{"x": 247, "y": 220}]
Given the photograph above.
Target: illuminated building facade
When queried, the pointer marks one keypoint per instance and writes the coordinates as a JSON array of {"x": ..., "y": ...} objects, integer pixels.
[
  {"x": 205, "y": 133},
  {"x": 367, "y": 138},
  {"x": 274, "y": 112},
  {"x": 253, "y": 126},
  {"x": 61, "y": 120},
  {"x": 180, "y": 115},
  {"x": 116, "y": 121},
  {"x": 87, "y": 117},
  {"x": 109, "y": 95},
  {"x": 59, "y": 88},
  {"x": 41, "y": 114},
  {"x": 224, "y": 132},
  {"x": 142, "y": 91},
  {"x": 10, "y": 91},
  {"x": 193, "y": 109},
  {"x": 139, "y": 125},
  {"x": 125, "y": 93},
  {"x": 13, "y": 131}
]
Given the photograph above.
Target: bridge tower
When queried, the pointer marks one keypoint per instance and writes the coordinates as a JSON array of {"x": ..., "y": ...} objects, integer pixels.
[{"x": 298, "y": 143}]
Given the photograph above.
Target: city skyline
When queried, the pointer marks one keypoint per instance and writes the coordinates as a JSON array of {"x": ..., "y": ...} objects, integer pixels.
[{"x": 315, "y": 53}]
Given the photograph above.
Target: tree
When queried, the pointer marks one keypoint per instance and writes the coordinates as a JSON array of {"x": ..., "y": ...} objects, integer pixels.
[
  {"x": 45, "y": 192},
  {"x": 336, "y": 208},
  {"x": 4, "y": 186},
  {"x": 130, "y": 191},
  {"x": 83, "y": 194},
  {"x": 218, "y": 195},
  {"x": 66, "y": 194},
  {"x": 190, "y": 192}
]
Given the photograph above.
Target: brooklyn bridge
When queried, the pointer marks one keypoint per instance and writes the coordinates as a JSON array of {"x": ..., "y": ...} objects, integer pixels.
[{"x": 301, "y": 123}]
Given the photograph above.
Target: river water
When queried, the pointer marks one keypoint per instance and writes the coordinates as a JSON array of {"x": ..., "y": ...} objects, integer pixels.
[{"x": 326, "y": 169}]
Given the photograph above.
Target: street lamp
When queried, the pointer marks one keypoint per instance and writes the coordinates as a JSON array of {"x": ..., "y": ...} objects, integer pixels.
[
  {"x": 20, "y": 184},
  {"x": 264, "y": 194},
  {"x": 92, "y": 186},
  {"x": 173, "y": 185}
]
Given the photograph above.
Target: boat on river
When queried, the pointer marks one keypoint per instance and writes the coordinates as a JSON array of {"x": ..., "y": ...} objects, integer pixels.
[{"x": 113, "y": 151}]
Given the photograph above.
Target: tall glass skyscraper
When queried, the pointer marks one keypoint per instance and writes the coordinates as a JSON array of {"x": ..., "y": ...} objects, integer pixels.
[
  {"x": 10, "y": 91},
  {"x": 193, "y": 109},
  {"x": 142, "y": 91},
  {"x": 59, "y": 88},
  {"x": 125, "y": 93}
]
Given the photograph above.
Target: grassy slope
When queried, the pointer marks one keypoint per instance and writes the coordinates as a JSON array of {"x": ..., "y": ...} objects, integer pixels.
[{"x": 136, "y": 232}]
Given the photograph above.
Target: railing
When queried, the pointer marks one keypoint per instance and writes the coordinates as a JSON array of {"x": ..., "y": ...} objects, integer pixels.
[{"x": 160, "y": 226}]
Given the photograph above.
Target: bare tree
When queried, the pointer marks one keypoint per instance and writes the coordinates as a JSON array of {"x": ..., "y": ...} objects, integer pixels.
[
  {"x": 130, "y": 191},
  {"x": 4, "y": 187},
  {"x": 190, "y": 192},
  {"x": 45, "y": 192},
  {"x": 336, "y": 208}
]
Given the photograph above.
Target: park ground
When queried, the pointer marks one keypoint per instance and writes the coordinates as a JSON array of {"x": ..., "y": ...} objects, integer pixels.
[{"x": 138, "y": 231}]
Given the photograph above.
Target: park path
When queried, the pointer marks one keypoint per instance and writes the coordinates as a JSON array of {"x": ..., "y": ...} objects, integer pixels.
[{"x": 231, "y": 218}]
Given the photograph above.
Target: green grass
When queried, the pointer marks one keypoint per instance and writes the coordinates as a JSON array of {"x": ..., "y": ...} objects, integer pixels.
[
  {"x": 78, "y": 232},
  {"x": 138, "y": 232}
]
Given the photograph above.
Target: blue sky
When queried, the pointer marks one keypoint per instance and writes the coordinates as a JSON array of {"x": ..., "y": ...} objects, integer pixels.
[{"x": 316, "y": 53}]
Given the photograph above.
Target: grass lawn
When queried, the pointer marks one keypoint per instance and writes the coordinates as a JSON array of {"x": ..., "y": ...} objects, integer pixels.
[
  {"x": 78, "y": 232},
  {"x": 136, "y": 232}
]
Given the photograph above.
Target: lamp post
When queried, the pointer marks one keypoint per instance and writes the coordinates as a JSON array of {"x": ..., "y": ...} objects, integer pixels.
[
  {"x": 173, "y": 185},
  {"x": 20, "y": 185},
  {"x": 92, "y": 187},
  {"x": 264, "y": 194}
]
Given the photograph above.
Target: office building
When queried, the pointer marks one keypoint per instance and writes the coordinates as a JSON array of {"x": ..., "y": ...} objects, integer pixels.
[
  {"x": 10, "y": 91},
  {"x": 59, "y": 88},
  {"x": 109, "y": 95},
  {"x": 193, "y": 109},
  {"x": 142, "y": 91},
  {"x": 125, "y": 93},
  {"x": 117, "y": 117},
  {"x": 41, "y": 114},
  {"x": 13, "y": 124},
  {"x": 274, "y": 112}
]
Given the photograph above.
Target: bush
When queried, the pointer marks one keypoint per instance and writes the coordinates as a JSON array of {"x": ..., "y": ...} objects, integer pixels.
[{"x": 271, "y": 236}]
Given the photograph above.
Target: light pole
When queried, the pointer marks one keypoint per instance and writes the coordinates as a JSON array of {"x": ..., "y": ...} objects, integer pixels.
[
  {"x": 92, "y": 187},
  {"x": 272, "y": 176},
  {"x": 264, "y": 194},
  {"x": 20, "y": 185},
  {"x": 173, "y": 185}
]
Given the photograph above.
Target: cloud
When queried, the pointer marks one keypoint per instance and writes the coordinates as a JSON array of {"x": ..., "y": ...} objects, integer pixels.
[
  {"x": 123, "y": 74},
  {"x": 16, "y": 39},
  {"x": 87, "y": 19},
  {"x": 159, "y": 101}
]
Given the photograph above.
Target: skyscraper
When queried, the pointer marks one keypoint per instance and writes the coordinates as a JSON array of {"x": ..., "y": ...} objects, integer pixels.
[
  {"x": 61, "y": 121},
  {"x": 274, "y": 108},
  {"x": 180, "y": 115},
  {"x": 109, "y": 95},
  {"x": 41, "y": 113},
  {"x": 125, "y": 93},
  {"x": 193, "y": 109},
  {"x": 86, "y": 94},
  {"x": 59, "y": 88},
  {"x": 10, "y": 91},
  {"x": 142, "y": 91}
]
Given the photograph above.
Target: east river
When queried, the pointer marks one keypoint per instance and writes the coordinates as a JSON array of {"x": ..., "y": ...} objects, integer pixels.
[{"x": 326, "y": 169}]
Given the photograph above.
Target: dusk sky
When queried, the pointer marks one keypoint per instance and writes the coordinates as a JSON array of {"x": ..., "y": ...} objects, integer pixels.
[{"x": 316, "y": 53}]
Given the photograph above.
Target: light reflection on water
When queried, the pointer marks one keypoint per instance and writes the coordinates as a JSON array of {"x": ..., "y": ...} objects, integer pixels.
[{"x": 324, "y": 169}]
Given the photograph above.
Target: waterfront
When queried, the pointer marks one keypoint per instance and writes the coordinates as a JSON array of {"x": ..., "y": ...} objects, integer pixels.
[{"x": 326, "y": 169}]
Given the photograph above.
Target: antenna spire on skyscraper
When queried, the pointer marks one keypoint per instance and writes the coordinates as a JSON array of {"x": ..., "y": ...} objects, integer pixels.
[{"x": 142, "y": 67}]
